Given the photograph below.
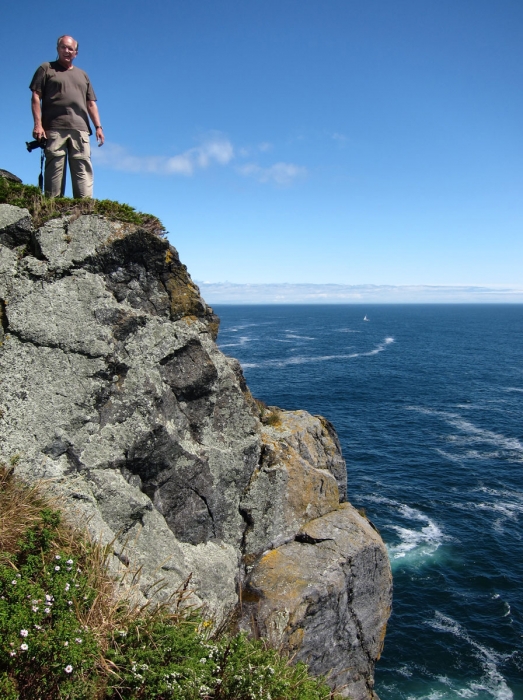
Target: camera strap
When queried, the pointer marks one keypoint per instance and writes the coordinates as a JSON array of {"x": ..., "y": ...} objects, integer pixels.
[{"x": 41, "y": 176}]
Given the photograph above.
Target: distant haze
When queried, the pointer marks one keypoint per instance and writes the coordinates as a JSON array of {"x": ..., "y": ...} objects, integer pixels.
[{"x": 231, "y": 293}]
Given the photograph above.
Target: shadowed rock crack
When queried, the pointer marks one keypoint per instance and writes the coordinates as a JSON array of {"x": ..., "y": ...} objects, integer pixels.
[
  {"x": 304, "y": 538},
  {"x": 4, "y": 323},
  {"x": 209, "y": 511},
  {"x": 359, "y": 627}
]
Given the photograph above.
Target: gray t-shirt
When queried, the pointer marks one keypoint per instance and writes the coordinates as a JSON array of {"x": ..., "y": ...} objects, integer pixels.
[{"x": 64, "y": 93}]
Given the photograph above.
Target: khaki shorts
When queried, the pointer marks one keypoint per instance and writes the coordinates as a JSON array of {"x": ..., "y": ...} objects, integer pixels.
[{"x": 72, "y": 145}]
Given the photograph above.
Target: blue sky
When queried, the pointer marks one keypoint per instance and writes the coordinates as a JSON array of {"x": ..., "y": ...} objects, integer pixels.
[{"x": 345, "y": 142}]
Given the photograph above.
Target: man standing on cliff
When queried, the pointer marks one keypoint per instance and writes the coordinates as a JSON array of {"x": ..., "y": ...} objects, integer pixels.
[{"x": 62, "y": 102}]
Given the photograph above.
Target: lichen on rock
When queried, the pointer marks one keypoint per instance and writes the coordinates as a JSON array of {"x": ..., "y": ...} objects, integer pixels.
[{"x": 112, "y": 386}]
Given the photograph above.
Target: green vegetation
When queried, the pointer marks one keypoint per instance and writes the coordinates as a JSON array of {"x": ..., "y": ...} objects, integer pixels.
[
  {"x": 43, "y": 209},
  {"x": 65, "y": 634}
]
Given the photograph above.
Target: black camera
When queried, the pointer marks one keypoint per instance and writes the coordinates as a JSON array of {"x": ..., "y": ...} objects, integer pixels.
[{"x": 40, "y": 143}]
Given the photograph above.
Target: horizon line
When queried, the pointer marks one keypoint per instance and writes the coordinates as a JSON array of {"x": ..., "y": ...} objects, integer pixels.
[{"x": 308, "y": 293}]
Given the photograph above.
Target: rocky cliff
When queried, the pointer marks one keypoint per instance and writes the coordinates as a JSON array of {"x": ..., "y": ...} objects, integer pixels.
[{"x": 113, "y": 388}]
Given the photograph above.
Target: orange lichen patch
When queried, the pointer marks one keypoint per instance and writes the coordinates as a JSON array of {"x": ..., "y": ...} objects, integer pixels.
[
  {"x": 296, "y": 639},
  {"x": 280, "y": 578},
  {"x": 383, "y": 633},
  {"x": 184, "y": 297},
  {"x": 214, "y": 327},
  {"x": 309, "y": 492}
]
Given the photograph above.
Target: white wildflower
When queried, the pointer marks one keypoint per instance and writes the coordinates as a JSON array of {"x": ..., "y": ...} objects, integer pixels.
[
  {"x": 68, "y": 669},
  {"x": 24, "y": 647},
  {"x": 24, "y": 633}
]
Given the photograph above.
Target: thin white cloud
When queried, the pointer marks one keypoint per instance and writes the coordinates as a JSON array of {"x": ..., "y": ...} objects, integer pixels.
[
  {"x": 216, "y": 149},
  {"x": 285, "y": 293},
  {"x": 279, "y": 173}
]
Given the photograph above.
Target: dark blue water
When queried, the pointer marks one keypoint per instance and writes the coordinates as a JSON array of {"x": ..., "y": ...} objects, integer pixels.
[{"x": 428, "y": 404}]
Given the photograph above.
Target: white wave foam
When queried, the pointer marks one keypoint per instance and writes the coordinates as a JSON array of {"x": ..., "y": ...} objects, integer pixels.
[
  {"x": 414, "y": 543},
  {"x": 383, "y": 500},
  {"x": 422, "y": 543},
  {"x": 487, "y": 436},
  {"x": 472, "y": 433},
  {"x": 513, "y": 388},
  {"x": 504, "y": 493},
  {"x": 301, "y": 360},
  {"x": 242, "y": 340},
  {"x": 299, "y": 337},
  {"x": 508, "y": 510},
  {"x": 492, "y": 681},
  {"x": 380, "y": 348},
  {"x": 449, "y": 456},
  {"x": 243, "y": 326}
]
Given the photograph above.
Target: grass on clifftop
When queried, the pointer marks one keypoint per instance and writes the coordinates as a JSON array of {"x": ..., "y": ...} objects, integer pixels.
[
  {"x": 43, "y": 209},
  {"x": 66, "y": 635}
]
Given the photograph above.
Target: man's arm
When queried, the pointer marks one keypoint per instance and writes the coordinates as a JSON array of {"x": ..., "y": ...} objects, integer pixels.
[
  {"x": 95, "y": 118},
  {"x": 36, "y": 108}
]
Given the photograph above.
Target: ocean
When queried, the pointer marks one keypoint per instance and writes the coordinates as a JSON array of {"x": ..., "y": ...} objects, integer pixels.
[{"x": 428, "y": 404}]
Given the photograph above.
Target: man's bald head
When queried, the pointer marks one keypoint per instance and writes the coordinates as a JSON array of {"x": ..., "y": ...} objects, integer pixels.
[{"x": 65, "y": 39}]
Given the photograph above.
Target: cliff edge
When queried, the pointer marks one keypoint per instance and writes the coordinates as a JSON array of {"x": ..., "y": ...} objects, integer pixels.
[{"x": 113, "y": 388}]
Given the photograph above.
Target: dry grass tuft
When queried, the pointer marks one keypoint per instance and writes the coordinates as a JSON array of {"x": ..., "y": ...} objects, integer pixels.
[{"x": 269, "y": 415}]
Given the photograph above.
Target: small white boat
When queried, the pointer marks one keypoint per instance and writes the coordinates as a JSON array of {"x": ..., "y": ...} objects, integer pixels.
[{"x": 365, "y": 318}]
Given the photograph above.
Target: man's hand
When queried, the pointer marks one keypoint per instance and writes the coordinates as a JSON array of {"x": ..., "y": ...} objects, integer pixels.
[
  {"x": 39, "y": 133},
  {"x": 95, "y": 118},
  {"x": 100, "y": 136}
]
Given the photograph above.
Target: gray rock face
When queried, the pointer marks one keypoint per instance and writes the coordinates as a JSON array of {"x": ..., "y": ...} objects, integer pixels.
[
  {"x": 111, "y": 385},
  {"x": 9, "y": 176}
]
